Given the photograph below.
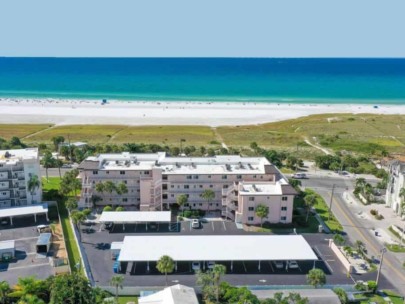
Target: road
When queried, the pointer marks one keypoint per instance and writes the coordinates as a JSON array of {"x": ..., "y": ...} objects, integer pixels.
[
  {"x": 392, "y": 268},
  {"x": 53, "y": 172}
]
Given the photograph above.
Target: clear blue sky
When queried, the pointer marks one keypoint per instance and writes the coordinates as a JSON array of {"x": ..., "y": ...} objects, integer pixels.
[{"x": 206, "y": 28}]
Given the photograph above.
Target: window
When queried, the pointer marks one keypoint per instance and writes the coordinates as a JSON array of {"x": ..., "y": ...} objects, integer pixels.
[
  {"x": 283, "y": 218},
  {"x": 284, "y": 198},
  {"x": 224, "y": 176},
  {"x": 195, "y": 176},
  {"x": 225, "y": 187},
  {"x": 186, "y": 187},
  {"x": 95, "y": 172},
  {"x": 164, "y": 177},
  {"x": 254, "y": 176},
  {"x": 171, "y": 186},
  {"x": 200, "y": 204},
  {"x": 125, "y": 200},
  {"x": 146, "y": 172},
  {"x": 189, "y": 177},
  {"x": 209, "y": 176},
  {"x": 201, "y": 186},
  {"x": 172, "y": 195},
  {"x": 125, "y": 182},
  {"x": 122, "y": 172},
  {"x": 251, "y": 199},
  {"x": 186, "y": 204},
  {"x": 251, "y": 209},
  {"x": 211, "y": 186},
  {"x": 239, "y": 176},
  {"x": 250, "y": 218},
  {"x": 193, "y": 205},
  {"x": 107, "y": 172},
  {"x": 164, "y": 196},
  {"x": 217, "y": 205},
  {"x": 283, "y": 208}
]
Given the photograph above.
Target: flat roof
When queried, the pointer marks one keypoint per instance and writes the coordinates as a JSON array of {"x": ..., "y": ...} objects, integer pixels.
[
  {"x": 25, "y": 210},
  {"x": 127, "y": 217},
  {"x": 44, "y": 239},
  {"x": 171, "y": 295},
  {"x": 216, "y": 248},
  {"x": 7, "y": 245}
]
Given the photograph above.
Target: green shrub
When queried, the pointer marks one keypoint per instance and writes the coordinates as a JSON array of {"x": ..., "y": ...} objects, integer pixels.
[
  {"x": 108, "y": 208},
  {"x": 372, "y": 286},
  {"x": 374, "y": 212}
]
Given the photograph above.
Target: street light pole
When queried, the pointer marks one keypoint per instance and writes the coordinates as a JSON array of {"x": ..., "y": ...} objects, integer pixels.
[
  {"x": 331, "y": 201},
  {"x": 383, "y": 250}
]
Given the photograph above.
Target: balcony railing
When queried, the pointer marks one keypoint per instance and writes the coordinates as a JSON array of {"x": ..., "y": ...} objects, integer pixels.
[{"x": 230, "y": 205}]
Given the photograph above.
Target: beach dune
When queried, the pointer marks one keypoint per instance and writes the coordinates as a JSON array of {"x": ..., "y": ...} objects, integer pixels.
[{"x": 67, "y": 112}]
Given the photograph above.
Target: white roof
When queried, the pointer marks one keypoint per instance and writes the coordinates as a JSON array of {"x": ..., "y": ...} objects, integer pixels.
[
  {"x": 7, "y": 245},
  {"x": 116, "y": 245},
  {"x": 171, "y": 295},
  {"x": 26, "y": 210},
  {"x": 18, "y": 154},
  {"x": 258, "y": 188},
  {"x": 135, "y": 216},
  {"x": 216, "y": 248}
]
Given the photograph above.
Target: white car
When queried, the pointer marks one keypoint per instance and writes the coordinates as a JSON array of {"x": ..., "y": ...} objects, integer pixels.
[
  {"x": 293, "y": 265},
  {"x": 196, "y": 266},
  {"x": 195, "y": 223},
  {"x": 299, "y": 176},
  {"x": 278, "y": 264},
  {"x": 210, "y": 264}
]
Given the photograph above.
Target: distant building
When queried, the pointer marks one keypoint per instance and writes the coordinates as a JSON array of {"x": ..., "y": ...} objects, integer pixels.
[
  {"x": 16, "y": 169},
  {"x": 396, "y": 182},
  {"x": 177, "y": 294},
  {"x": 154, "y": 182}
]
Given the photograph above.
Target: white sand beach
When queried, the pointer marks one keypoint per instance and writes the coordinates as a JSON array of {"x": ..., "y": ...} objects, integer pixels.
[{"x": 67, "y": 112}]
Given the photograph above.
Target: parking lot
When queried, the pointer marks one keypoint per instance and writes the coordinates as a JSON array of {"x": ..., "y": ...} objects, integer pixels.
[
  {"x": 96, "y": 241},
  {"x": 27, "y": 262}
]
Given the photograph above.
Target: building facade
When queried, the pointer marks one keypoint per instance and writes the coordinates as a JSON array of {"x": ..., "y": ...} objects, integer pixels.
[
  {"x": 17, "y": 167},
  {"x": 396, "y": 182},
  {"x": 154, "y": 181}
]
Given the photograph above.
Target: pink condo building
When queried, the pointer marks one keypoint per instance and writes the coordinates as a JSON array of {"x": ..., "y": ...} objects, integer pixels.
[{"x": 154, "y": 182}]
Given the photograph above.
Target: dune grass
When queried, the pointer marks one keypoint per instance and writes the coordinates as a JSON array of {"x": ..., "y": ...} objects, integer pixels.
[{"x": 19, "y": 130}]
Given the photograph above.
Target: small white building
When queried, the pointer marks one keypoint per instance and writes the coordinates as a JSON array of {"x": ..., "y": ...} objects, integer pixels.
[
  {"x": 396, "y": 182},
  {"x": 7, "y": 250},
  {"x": 115, "y": 249},
  {"x": 177, "y": 294}
]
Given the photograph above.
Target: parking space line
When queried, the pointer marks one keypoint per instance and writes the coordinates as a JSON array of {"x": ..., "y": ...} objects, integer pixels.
[
  {"x": 271, "y": 266},
  {"x": 322, "y": 259},
  {"x": 244, "y": 266},
  {"x": 212, "y": 224},
  {"x": 28, "y": 266},
  {"x": 27, "y": 238},
  {"x": 223, "y": 223}
]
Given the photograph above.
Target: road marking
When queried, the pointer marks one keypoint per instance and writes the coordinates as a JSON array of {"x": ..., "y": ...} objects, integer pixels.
[
  {"x": 27, "y": 238},
  {"x": 224, "y": 225},
  {"x": 387, "y": 262},
  {"x": 27, "y": 266},
  {"x": 212, "y": 223}
]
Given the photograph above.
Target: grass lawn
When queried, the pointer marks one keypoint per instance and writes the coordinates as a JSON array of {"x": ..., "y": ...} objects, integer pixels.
[
  {"x": 71, "y": 247},
  {"x": 395, "y": 248},
  {"x": 20, "y": 130},
  {"x": 126, "y": 299},
  {"x": 396, "y": 299}
]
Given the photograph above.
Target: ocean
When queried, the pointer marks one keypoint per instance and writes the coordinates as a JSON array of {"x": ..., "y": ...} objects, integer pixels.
[{"x": 331, "y": 81}]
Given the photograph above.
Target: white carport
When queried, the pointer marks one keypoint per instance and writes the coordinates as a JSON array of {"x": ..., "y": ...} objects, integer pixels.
[
  {"x": 25, "y": 210},
  {"x": 217, "y": 248},
  {"x": 135, "y": 217}
]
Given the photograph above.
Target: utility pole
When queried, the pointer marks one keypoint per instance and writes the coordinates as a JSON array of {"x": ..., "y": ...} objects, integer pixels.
[
  {"x": 384, "y": 250},
  {"x": 402, "y": 236},
  {"x": 331, "y": 201}
]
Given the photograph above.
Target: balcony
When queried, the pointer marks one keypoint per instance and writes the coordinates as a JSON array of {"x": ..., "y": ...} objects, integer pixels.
[
  {"x": 229, "y": 204},
  {"x": 228, "y": 214}
]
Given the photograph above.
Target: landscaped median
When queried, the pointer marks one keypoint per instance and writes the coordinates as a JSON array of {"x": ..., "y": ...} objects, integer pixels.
[{"x": 50, "y": 189}]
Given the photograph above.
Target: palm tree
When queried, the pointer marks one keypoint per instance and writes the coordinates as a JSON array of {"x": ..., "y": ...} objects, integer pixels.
[
  {"x": 262, "y": 212},
  {"x": 116, "y": 281},
  {"x": 165, "y": 265},
  {"x": 4, "y": 289},
  {"x": 402, "y": 195},
  {"x": 100, "y": 187},
  {"x": 33, "y": 185},
  {"x": 78, "y": 217},
  {"x": 360, "y": 247},
  {"x": 59, "y": 164},
  {"x": 217, "y": 272},
  {"x": 121, "y": 188},
  {"x": 316, "y": 277},
  {"x": 310, "y": 201},
  {"x": 30, "y": 299},
  {"x": 71, "y": 204},
  {"x": 360, "y": 183},
  {"x": 208, "y": 195},
  {"x": 368, "y": 191},
  {"x": 57, "y": 140},
  {"x": 48, "y": 162},
  {"x": 181, "y": 200}
]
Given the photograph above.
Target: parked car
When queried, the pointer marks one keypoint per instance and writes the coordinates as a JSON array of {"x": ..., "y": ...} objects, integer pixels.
[
  {"x": 195, "y": 223},
  {"x": 43, "y": 228},
  {"x": 299, "y": 176},
  {"x": 293, "y": 265},
  {"x": 195, "y": 266},
  {"x": 66, "y": 166},
  {"x": 108, "y": 226},
  {"x": 210, "y": 264},
  {"x": 278, "y": 264}
]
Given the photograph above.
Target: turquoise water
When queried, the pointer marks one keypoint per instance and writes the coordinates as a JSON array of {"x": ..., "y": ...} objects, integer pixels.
[{"x": 379, "y": 81}]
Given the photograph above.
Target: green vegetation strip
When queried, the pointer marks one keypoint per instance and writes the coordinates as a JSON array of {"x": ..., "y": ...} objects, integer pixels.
[
  {"x": 71, "y": 246},
  {"x": 395, "y": 248},
  {"x": 126, "y": 299},
  {"x": 373, "y": 298}
]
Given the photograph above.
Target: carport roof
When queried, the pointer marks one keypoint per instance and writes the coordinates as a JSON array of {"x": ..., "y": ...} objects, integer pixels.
[
  {"x": 216, "y": 248},
  {"x": 26, "y": 210},
  {"x": 4, "y": 245},
  {"x": 131, "y": 217}
]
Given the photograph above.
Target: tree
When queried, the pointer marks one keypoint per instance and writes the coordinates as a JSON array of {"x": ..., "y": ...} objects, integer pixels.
[
  {"x": 181, "y": 200},
  {"x": 30, "y": 299},
  {"x": 28, "y": 287},
  {"x": 70, "y": 183},
  {"x": 15, "y": 141},
  {"x": 57, "y": 140},
  {"x": 402, "y": 195},
  {"x": 291, "y": 298},
  {"x": 296, "y": 183},
  {"x": 341, "y": 293},
  {"x": 33, "y": 185},
  {"x": 116, "y": 281},
  {"x": 360, "y": 183},
  {"x": 70, "y": 204},
  {"x": 71, "y": 289},
  {"x": 360, "y": 248},
  {"x": 48, "y": 161},
  {"x": 119, "y": 208},
  {"x": 78, "y": 217},
  {"x": 109, "y": 187},
  {"x": 310, "y": 201},
  {"x": 239, "y": 295},
  {"x": 339, "y": 240},
  {"x": 165, "y": 265},
  {"x": 4, "y": 289},
  {"x": 316, "y": 277},
  {"x": 217, "y": 272},
  {"x": 107, "y": 209},
  {"x": 100, "y": 187},
  {"x": 210, "y": 282},
  {"x": 59, "y": 164},
  {"x": 121, "y": 188},
  {"x": 208, "y": 195},
  {"x": 262, "y": 212}
]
